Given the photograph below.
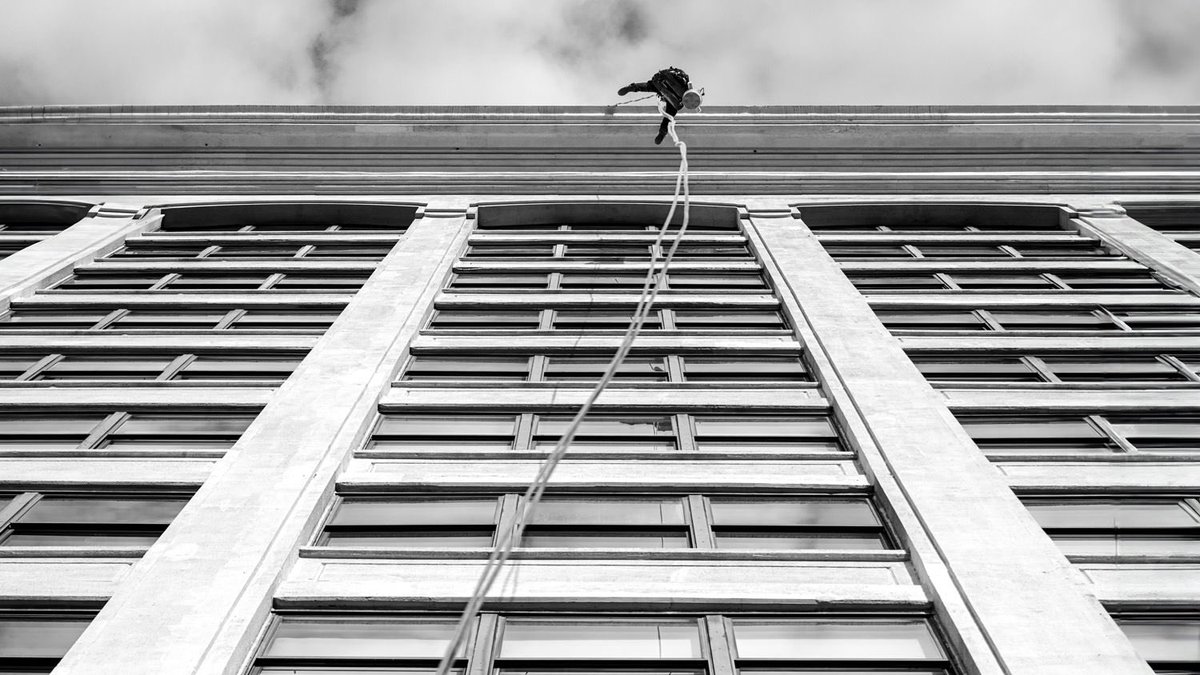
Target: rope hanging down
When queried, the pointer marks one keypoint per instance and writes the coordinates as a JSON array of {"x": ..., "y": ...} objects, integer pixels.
[{"x": 507, "y": 541}]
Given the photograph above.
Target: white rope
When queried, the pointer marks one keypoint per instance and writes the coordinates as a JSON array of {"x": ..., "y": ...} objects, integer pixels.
[{"x": 508, "y": 540}]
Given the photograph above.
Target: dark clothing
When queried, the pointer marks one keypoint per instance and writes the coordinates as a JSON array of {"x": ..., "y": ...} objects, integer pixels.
[{"x": 669, "y": 84}]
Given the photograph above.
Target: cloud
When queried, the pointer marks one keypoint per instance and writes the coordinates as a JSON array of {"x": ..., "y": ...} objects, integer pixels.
[{"x": 577, "y": 52}]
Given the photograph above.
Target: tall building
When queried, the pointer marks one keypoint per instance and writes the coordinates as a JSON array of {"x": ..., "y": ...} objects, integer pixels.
[{"x": 921, "y": 395}]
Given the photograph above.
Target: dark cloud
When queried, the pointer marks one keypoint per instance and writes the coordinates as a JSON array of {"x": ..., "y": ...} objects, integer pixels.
[{"x": 503, "y": 52}]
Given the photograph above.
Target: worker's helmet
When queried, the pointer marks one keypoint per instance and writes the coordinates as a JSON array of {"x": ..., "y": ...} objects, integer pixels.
[{"x": 692, "y": 99}]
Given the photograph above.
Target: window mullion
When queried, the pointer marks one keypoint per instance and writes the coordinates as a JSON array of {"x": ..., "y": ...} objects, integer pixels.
[
  {"x": 227, "y": 320},
  {"x": 702, "y": 534},
  {"x": 947, "y": 281},
  {"x": 1057, "y": 281},
  {"x": 1107, "y": 428},
  {"x": 1179, "y": 366},
  {"x": 177, "y": 364},
  {"x": 270, "y": 282},
  {"x": 109, "y": 319},
  {"x": 506, "y": 522},
  {"x": 674, "y": 368},
  {"x": 720, "y": 645},
  {"x": 524, "y": 437},
  {"x": 683, "y": 432},
  {"x": 1042, "y": 369},
  {"x": 37, "y": 368},
  {"x": 481, "y": 653},
  {"x": 991, "y": 321},
  {"x": 537, "y": 368},
  {"x": 104, "y": 428},
  {"x": 164, "y": 280},
  {"x": 16, "y": 507}
]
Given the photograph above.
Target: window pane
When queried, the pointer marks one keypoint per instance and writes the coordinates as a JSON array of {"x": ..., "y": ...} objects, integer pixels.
[
  {"x": 431, "y": 511},
  {"x": 78, "y": 539},
  {"x": 454, "y": 538},
  {"x": 611, "y": 426},
  {"x": 1111, "y": 367},
  {"x": 467, "y": 367},
  {"x": 604, "y": 538},
  {"x": 38, "y": 638},
  {"x": 216, "y": 424},
  {"x": 798, "y": 542},
  {"x": 565, "y": 639},
  {"x": 814, "y": 639},
  {"x": 584, "y": 511},
  {"x": 652, "y": 369},
  {"x": 1111, "y": 514},
  {"x": 360, "y": 638},
  {"x": 461, "y": 426},
  {"x": 967, "y": 369},
  {"x": 764, "y": 426},
  {"x": 1164, "y": 639},
  {"x": 810, "y": 512},
  {"x": 764, "y": 368},
  {"x": 122, "y": 511}
]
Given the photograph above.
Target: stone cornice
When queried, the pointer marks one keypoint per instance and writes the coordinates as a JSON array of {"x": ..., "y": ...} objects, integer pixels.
[{"x": 813, "y": 150}]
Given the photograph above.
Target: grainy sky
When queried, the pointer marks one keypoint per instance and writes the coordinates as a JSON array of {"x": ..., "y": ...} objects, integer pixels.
[{"x": 577, "y": 52}]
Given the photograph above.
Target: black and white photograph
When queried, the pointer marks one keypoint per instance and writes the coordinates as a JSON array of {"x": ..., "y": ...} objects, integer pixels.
[{"x": 600, "y": 337}]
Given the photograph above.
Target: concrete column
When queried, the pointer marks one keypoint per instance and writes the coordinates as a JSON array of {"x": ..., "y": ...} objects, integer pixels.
[
  {"x": 103, "y": 230},
  {"x": 199, "y": 599},
  {"x": 1013, "y": 580},
  {"x": 1146, "y": 245}
]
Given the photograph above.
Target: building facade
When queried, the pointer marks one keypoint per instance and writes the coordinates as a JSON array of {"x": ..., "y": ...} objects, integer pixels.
[{"x": 921, "y": 394}]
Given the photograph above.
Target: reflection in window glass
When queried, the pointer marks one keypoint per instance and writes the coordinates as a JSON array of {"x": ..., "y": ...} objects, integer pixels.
[
  {"x": 28, "y": 637},
  {"x": 1167, "y": 639},
  {"x": 836, "y": 639},
  {"x": 360, "y": 638},
  {"x": 566, "y": 639}
]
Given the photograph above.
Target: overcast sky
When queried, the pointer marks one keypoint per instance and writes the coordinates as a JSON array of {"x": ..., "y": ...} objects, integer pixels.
[{"x": 577, "y": 52}]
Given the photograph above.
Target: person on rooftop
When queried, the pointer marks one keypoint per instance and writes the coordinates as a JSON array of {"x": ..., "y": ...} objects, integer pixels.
[{"x": 674, "y": 87}]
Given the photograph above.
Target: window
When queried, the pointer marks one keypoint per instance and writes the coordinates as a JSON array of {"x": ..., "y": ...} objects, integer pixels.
[
  {"x": 93, "y": 520},
  {"x": 134, "y": 366},
  {"x": 802, "y": 434},
  {"x": 997, "y": 280},
  {"x": 429, "y": 521},
  {"x": 607, "y": 281},
  {"x": 1067, "y": 319},
  {"x": 122, "y": 432},
  {"x": 1059, "y": 247},
  {"x": 798, "y": 434},
  {"x": 119, "y": 319},
  {"x": 633, "y": 433},
  {"x": 610, "y": 319},
  {"x": 160, "y": 247},
  {"x": 861, "y": 643},
  {"x": 608, "y": 251},
  {"x": 1169, "y": 643},
  {"x": 466, "y": 367},
  {"x": 532, "y": 644},
  {"x": 591, "y": 368},
  {"x": 736, "y": 367},
  {"x": 1038, "y": 435},
  {"x": 1111, "y": 367},
  {"x": 1141, "y": 526},
  {"x": 771, "y": 522},
  {"x": 33, "y": 640},
  {"x": 1176, "y": 433},
  {"x": 600, "y": 227}
]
